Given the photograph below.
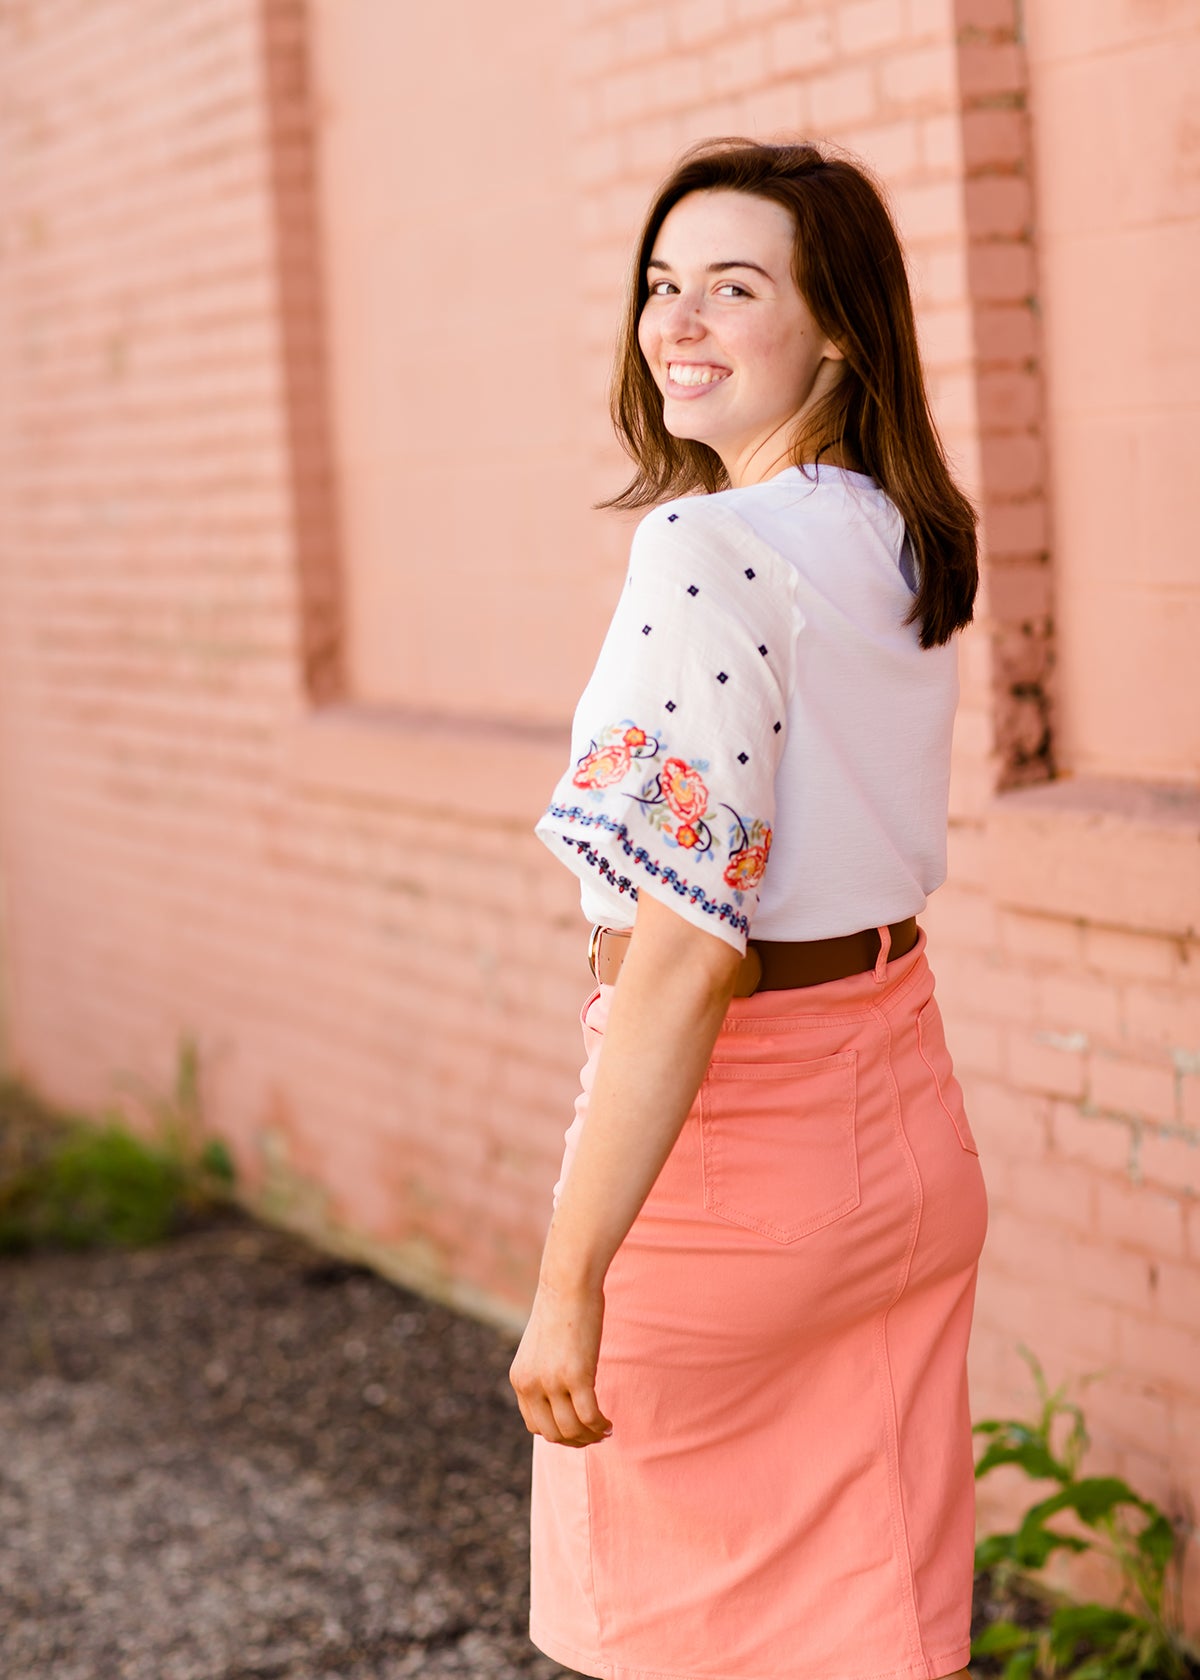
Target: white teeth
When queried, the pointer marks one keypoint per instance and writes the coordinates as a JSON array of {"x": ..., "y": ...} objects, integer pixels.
[{"x": 682, "y": 374}]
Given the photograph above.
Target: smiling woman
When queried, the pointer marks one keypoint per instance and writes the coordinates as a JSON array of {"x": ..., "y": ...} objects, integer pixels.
[{"x": 757, "y": 1286}]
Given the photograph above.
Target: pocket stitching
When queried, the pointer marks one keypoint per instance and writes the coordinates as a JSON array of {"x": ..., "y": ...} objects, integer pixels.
[
  {"x": 710, "y": 1145},
  {"x": 968, "y": 1140}
]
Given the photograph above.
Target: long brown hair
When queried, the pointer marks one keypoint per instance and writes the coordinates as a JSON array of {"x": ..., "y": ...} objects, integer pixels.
[{"x": 850, "y": 269}]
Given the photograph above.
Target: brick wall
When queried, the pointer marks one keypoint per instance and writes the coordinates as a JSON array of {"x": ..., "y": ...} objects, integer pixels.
[{"x": 204, "y": 829}]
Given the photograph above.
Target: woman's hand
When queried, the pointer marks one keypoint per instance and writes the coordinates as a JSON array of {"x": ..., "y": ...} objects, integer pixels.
[{"x": 554, "y": 1372}]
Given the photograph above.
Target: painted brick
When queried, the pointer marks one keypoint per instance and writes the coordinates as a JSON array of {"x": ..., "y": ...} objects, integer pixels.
[
  {"x": 802, "y": 44},
  {"x": 1017, "y": 528},
  {"x": 1005, "y": 333},
  {"x": 1060, "y": 1192},
  {"x": 999, "y": 206},
  {"x": 694, "y": 22},
  {"x": 1176, "y": 1291},
  {"x": 1044, "y": 939},
  {"x": 1034, "y": 1065},
  {"x": 1163, "y": 1016},
  {"x": 941, "y": 143},
  {"x": 1076, "y": 1003},
  {"x": 1166, "y": 1354},
  {"x": 644, "y": 33},
  {"x": 1118, "y": 1276},
  {"x": 1145, "y": 1090},
  {"x": 1001, "y": 271},
  {"x": 1189, "y": 1102},
  {"x": 841, "y": 98},
  {"x": 994, "y": 139},
  {"x": 738, "y": 64},
  {"x": 1171, "y": 1160},
  {"x": 1094, "y": 1140},
  {"x": 1013, "y": 465},
  {"x": 1006, "y": 1123},
  {"x": 1141, "y": 1218},
  {"x": 993, "y": 16},
  {"x": 987, "y": 68},
  {"x": 920, "y": 79},
  {"x": 868, "y": 25},
  {"x": 1141, "y": 956}
]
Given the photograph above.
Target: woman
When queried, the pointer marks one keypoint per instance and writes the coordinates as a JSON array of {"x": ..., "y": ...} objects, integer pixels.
[{"x": 756, "y": 1289}]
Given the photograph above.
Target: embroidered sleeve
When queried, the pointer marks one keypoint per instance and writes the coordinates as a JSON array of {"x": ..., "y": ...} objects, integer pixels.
[{"x": 678, "y": 735}]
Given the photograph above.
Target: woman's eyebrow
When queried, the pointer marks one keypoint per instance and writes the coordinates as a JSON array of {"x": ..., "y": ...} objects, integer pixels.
[{"x": 713, "y": 268}]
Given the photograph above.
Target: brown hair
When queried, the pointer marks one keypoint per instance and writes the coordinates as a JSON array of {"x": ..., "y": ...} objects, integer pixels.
[{"x": 850, "y": 270}]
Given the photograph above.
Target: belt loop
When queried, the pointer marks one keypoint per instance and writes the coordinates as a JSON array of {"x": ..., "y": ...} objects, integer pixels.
[{"x": 885, "y": 945}]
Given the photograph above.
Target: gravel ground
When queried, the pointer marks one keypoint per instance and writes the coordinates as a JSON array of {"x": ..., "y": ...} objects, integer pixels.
[{"x": 233, "y": 1458}]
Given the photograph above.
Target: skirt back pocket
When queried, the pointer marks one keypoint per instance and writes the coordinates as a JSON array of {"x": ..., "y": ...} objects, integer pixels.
[{"x": 777, "y": 1144}]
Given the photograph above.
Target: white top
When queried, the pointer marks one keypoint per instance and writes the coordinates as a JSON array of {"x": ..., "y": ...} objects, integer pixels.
[{"x": 758, "y": 693}]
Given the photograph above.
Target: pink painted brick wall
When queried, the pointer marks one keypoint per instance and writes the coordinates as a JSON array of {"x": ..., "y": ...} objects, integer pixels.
[{"x": 223, "y": 812}]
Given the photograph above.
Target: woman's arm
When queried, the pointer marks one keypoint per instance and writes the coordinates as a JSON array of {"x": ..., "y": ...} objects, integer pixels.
[{"x": 675, "y": 985}]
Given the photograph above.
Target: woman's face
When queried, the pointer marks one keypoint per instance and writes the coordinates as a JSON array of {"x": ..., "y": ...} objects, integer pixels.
[{"x": 730, "y": 341}]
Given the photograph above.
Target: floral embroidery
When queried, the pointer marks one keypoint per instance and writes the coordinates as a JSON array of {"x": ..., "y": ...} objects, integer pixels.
[
  {"x": 746, "y": 865},
  {"x": 676, "y": 801},
  {"x": 682, "y": 788},
  {"x": 691, "y": 890},
  {"x": 609, "y": 762}
]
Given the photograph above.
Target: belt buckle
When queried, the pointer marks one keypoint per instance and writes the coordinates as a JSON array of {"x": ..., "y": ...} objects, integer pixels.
[{"x": 593, "y": 950}]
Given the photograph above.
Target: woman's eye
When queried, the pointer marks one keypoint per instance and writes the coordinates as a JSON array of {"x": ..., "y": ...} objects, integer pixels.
[{"x": 732, "y": 285}]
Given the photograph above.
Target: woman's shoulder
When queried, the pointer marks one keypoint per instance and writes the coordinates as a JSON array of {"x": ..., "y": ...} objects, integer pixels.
[{"x": 711, "y": 532}]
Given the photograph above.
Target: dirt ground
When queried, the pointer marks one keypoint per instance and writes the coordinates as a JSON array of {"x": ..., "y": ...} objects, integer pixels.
[{"x": 230, "y": 1457}]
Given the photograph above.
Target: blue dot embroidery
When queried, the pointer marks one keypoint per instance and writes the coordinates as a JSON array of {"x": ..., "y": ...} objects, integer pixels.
[
  {"x": 671, "y": 516},
  {"x": 778, "y": 727},
  {"x": 693, "y": 589},
  {"x": 646, "y": 632},
  {"x": 742, "y": 759},
  {"x": 762, "y": 648},
  {"x": 722, "y": 676},
  {"x": 671, "y": 708},
  {"x": 749, "y": 571}
]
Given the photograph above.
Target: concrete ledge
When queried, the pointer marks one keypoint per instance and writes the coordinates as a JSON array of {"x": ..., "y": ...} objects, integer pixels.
[
  {"x": 486, "y": 770},
  {"x": 1119, "y": 853}
]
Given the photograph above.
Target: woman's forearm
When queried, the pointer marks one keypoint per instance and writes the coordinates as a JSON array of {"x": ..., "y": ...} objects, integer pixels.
[{"x": 674, "y": 991}]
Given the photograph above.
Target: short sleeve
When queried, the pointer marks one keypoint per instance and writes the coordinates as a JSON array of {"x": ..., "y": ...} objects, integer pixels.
[{"x": 678, "y": 736}]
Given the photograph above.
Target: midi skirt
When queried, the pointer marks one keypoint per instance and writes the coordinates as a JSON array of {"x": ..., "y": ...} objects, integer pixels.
[{"x": 788, "y": 1489}]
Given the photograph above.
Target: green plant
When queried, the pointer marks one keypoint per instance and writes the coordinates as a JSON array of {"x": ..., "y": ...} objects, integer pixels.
[
  {"x": 68, "y": 1182},
  {"x": 1137, "y": 1639}
]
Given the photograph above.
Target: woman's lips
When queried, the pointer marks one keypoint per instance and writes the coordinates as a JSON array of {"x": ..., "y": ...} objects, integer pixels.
[{"x": 684, "y": 392}]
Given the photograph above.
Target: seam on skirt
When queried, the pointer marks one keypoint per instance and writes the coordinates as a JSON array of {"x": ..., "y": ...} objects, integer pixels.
[
  {"x": 863, "y": 1011},
  {"x": 591, "y": 1509},
  {"x": 892, "y": 1426}
]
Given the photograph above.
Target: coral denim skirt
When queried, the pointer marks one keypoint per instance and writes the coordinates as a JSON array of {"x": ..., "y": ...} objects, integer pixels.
[{"x": 788, "y": 1491}]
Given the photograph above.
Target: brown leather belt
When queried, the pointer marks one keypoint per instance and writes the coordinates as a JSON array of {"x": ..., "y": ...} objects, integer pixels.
[{"x": 772, "y": 965}]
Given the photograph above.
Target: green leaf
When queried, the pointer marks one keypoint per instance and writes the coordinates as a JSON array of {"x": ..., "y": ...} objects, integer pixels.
[
  {"x": 1157, "y": 1541},
  {"x": 991, "y": 1550},
  {"x": 1000, "y": 1637},
  {"x": 1032, "y": 1457},
  {"x": 1020, "y": 1667},
  {"x": 1091, "y": 1499}
]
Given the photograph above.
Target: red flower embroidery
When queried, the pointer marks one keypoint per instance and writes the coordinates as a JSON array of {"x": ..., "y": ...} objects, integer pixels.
[
  {"x": 745, "y": 868},
  {"x": 683, "y": 790},
  {"x": 635, "y": 737},
  {"x": 603, "y": 767},
  {"x": 686, "y": 835}
]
